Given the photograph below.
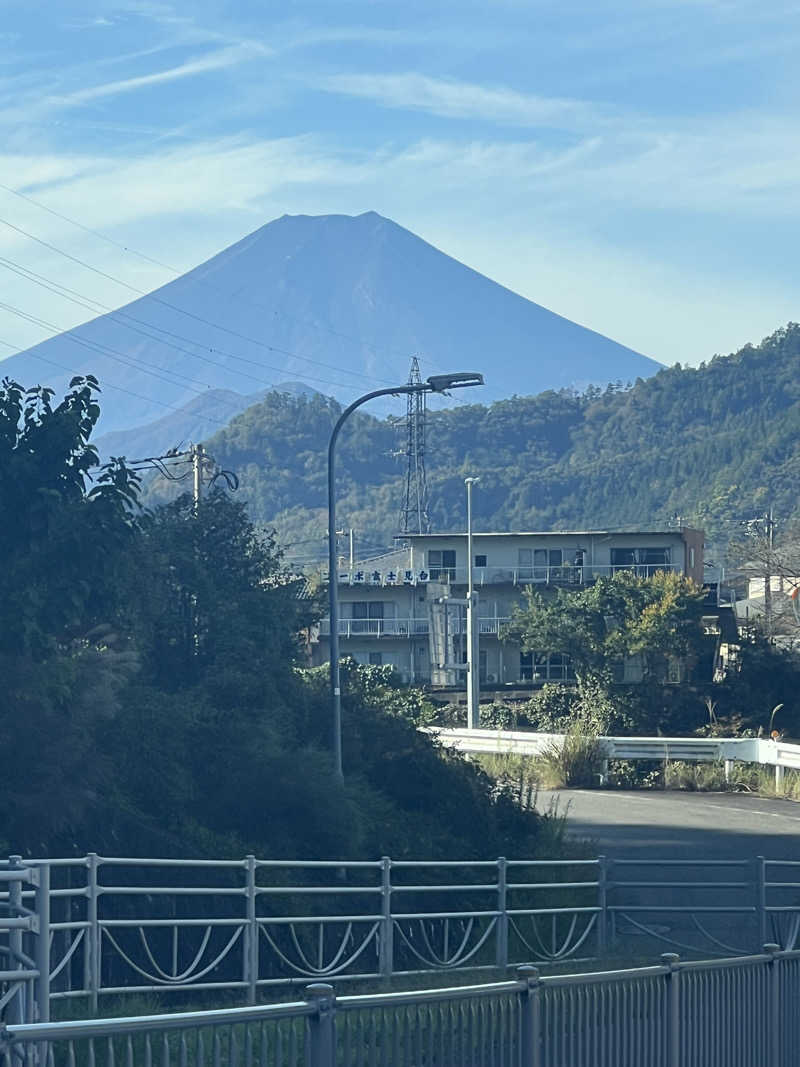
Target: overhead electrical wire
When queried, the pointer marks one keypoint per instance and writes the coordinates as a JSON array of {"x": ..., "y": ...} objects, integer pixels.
[
  {"x": 96, "y": 346},
  {"x": 459, "y": 401},
  {"x": 116, "y": 388},
  {"x": 183, "y": 311},
  {"x": 203, "y": 281},
  {"x": 118, "y": 315}
]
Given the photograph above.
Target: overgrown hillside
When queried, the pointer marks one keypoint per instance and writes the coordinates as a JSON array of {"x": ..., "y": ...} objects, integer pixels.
[{"x": 713, "y": 444}]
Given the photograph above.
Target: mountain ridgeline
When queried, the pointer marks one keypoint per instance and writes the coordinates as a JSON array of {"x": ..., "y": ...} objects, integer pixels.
[
  {"x": 713, "y": 444},
  {"x": 337, "y": 302}
]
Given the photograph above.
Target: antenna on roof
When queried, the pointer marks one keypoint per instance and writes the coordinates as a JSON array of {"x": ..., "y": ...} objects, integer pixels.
[{"x": 414, "y": 512}]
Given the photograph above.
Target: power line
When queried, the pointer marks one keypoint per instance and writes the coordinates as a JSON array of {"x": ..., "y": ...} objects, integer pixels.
[
  {"x": 116, "y": 388},
  {"x": 142, "y": 293},
  {"x": 118, "y": 315},
  {"x": 180, "y": 310},
  {"x": 178, "y": 273},
  {"x": 112, "y": 353}
]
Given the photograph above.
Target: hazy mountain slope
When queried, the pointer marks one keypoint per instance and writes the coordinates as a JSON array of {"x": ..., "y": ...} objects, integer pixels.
[
  {"x": 355, "y": 296},
  {"x": 715, "y": 444},
  {"x": 193, "y": 422}
]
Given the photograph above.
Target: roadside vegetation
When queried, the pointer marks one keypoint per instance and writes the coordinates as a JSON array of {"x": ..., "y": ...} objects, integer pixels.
[
  {"x": 573, "y": 766},
  {"x": 153, "y": 698}
]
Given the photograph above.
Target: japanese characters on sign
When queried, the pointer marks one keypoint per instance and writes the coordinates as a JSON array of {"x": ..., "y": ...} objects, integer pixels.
[{"x": 405, "y": 577}]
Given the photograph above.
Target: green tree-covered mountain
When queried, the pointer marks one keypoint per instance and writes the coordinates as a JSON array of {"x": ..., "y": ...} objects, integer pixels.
[{"x": 713, "y": 444}]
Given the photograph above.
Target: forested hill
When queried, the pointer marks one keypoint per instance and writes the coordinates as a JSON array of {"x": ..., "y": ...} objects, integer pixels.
[{"x": 713, "y": 444}]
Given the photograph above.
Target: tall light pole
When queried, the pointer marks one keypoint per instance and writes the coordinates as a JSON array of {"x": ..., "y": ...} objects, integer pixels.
[
  {"x": 437, "y": 383},
  {"x": 473, "y": 654}
]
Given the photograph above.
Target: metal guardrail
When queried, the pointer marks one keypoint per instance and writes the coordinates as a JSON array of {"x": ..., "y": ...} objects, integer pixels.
[
  {"x": 709, "y": 1013},
  {"x": 118, "y": 925},
  {"x": 689, "y": 749},
  {"x": 112, "y": 926},
  {"x": 24, "y": 976}
]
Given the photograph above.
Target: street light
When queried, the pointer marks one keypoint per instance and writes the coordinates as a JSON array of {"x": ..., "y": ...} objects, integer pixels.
[
  {"x": 437, "y": 383},
  {"x": 473, "y": 658}
]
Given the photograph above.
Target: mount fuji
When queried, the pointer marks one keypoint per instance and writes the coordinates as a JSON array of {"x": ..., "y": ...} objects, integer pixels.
[{"x": 337, "y": 303}]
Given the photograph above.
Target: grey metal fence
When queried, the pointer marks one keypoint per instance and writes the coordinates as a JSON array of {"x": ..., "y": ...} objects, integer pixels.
[
  {"x": 738, "y": 1012},
  {"x": 24, "y": 924},
  {"x": 117, "y": 925},
  {"x": 95, "y": 927}
]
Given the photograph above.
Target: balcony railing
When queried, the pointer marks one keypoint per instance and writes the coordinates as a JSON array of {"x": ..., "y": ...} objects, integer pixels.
[
  {"x": 376, "y": 627},
  {"x": 565, "y": 574},
  {"x": 406, "y": 627}
]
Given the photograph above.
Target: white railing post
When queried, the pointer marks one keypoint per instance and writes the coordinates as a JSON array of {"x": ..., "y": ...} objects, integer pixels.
[
  {"x": 92, "y": 955},
  {"x": 778, "y": 778},
  {"x": 42, "y": 954},
  {"x": 501, "y": 955},
  {"x": 18, "y": 1008},
  {"x": 761, "y": 898},
  {"x": 250, "y": 961},
  {"x": 386, "y": 946},
  {"x": 776, "y": 1009},
  {"x": 602, "y": 903},
  {"x": 671, "y": 961},
  {"x": 321, "y": 1025},
  {"x": 530, "y": 1016}
]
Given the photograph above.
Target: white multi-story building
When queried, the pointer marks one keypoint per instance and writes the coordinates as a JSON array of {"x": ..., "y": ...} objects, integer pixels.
[{"x": 406, "y": 608}]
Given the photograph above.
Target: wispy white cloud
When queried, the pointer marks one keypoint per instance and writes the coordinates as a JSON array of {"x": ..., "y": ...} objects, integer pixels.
[
  {"x": 237, "y": 184},
  {"x": 95, "y": 22},
  {"x": 220, "y": 59},
  {"x": 462, "y": 100}
]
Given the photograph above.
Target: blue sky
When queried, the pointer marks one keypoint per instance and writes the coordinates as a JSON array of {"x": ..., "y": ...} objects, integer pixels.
[{"x": 634, "y": 166}]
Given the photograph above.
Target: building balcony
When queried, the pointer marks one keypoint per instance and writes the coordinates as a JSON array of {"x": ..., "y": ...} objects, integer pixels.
[
  {"x": 564, "y": 575},
  {"x": 376, "y": 627},
  {"x": 406, "y": 627}
]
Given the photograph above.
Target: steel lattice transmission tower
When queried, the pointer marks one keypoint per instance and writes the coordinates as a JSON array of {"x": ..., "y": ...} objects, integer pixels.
[{"x": 414, "y": 512}]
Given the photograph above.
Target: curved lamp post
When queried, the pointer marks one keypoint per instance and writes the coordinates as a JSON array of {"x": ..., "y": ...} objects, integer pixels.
[{"x": 437, "y": 383}]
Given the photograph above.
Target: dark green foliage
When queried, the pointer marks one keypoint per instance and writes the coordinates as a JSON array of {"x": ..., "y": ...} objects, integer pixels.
[
  {"x": 613, "y": 619},
  {"x": 62, "y": 661},
  {"x": 713, "y": 443},
  {"x": 768, "y": 676},
  {"x": 152, "y": 700},
  {"x": 57, "y": 529}
]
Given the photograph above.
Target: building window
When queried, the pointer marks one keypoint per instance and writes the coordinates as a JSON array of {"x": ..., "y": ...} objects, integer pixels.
[
  {"x": 367, "y": 617},
  {"x": 480, "y": 561},
  {"x": 526, "y": 666},
  {"x": 545, "y": 667},
  {"x": 376, "y": 659},
  {"x": 540, "y": 564},
  {"x": 643, "y": 561},
  {"x": 555, "y": 561},
  {"x": 691, "y": 558},
  {"x": 483, "y": 665},
  {"x": 442, "y": 564}
]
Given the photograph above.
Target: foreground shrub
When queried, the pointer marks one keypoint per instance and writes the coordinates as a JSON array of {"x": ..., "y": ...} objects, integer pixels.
[{"x": 577, "y": 762}]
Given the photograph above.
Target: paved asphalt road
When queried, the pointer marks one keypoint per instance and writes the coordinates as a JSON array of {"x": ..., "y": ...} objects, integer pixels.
[
  {"x": 656, "y": 825},
  {"x": 652, "y": 824}
]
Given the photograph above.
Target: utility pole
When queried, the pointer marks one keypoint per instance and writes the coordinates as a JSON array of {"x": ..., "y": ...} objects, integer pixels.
[
  {"x": 352, "y": 552},
  {"x": 769, "y": 523},
  {"x": 473, "y": 628},
  {"x": 197, "y": 452}
]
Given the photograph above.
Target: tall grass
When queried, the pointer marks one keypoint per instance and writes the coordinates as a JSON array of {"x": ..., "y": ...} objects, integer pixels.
[{"x": 577, "y": 762}]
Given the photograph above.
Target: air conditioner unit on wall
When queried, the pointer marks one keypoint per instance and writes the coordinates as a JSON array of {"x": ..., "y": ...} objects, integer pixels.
[{"x": 491, "y": 677}]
